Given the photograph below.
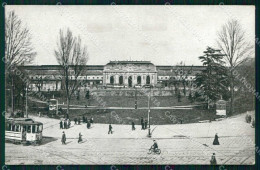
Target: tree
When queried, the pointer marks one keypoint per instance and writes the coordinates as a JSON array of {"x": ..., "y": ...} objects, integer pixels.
[
  {"x": 18, "y": 48},
  {"x": 71, "y": 56},
  {"x": 212, "y": 82},
  {"x": 232, "y": 42}
]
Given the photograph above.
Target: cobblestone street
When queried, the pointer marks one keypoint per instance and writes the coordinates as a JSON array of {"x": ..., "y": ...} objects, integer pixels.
[{"x": 180, "y": 144}]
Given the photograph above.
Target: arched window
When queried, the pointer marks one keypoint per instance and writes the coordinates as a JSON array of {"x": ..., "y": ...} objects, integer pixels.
[
  {"x": 112, "y": 80},
  {"x": 139, "y": 80},
  {"x": 147, "y": 79},
  {"x": 121, "y": 80},
  {"x": 130, "y": 81}
]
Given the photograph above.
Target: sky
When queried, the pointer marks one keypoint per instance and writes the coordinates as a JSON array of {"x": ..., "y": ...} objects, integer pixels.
[{"x": 164, "y": 35}]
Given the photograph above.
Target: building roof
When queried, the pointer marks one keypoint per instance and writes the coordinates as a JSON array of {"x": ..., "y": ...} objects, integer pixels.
[{"x": 130, "y": 62}]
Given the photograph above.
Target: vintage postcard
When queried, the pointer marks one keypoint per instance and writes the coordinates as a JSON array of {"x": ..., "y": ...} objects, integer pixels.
[{"x": 130, "y": 84}]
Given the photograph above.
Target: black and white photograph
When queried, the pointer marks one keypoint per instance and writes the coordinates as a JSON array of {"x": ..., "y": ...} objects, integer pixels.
[{"x": 130, "y": 84}]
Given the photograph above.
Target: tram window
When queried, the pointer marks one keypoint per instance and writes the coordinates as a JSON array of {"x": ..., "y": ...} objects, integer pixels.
[
  {"x": 8, "y": 127},
  {"x": 24, "y": 128},
  {"x": 33, "y": 128},
  {"x": 17, "y": 128},
  {"x": 40, "y": 128},
  {"x": 28, "y": 129},
  {"x": 13, "y": 128}
]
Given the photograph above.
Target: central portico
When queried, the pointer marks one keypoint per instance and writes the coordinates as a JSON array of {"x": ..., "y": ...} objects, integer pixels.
[{"x": 129, "y": 73}]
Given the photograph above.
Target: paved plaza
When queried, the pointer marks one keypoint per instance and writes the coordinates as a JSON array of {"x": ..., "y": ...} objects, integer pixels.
[{"x": 179, "y": 144}]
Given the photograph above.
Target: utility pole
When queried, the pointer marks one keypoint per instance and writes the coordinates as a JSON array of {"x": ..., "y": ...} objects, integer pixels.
[
  {"x": 135, "y": 98},
  {"x": 26, "y": 101},
  {"x": 149, "y": 128},
  {"x": 12, "y": 96}
]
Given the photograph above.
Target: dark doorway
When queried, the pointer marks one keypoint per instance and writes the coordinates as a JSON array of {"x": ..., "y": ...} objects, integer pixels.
[
  {"x": 139, "y": 80},
  {"x": 121, "y": 80},
  {"x": 130, "y": 81},
  {"x": 148, "y": 80},
  {"x": 112, "y": 80}
]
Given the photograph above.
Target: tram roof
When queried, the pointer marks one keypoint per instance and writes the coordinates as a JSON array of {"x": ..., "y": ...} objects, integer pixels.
[{"x": 24, "y": 121}]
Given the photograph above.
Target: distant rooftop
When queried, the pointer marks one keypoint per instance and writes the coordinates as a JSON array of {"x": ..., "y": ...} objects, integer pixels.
[{"x": 130, "y": 62}]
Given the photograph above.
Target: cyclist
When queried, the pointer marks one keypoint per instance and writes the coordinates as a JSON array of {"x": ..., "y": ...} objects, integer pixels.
[{"x": 154, "y": 146}]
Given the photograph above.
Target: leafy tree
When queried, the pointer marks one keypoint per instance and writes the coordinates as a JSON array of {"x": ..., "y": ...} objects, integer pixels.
[{"x": 212, "y": 82}]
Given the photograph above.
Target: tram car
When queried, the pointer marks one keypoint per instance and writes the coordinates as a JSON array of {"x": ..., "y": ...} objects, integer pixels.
[{"x": 23, "y": 130}]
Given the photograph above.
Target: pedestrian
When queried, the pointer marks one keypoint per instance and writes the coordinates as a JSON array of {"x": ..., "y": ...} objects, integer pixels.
[
  {"x": 91, "y": 120},
  {"x": 133, "y": 125},
  {"x": 145, "y": 124},
  {"x": 68, "y": 123},
  {"x": 83, "y": 119},
  {"x": 63, "y": 138},
  {"x": 79, "y": 121},
  {"x": 213, "y": 160},
  {"x": 142, "y": 123},
  {"x": 80, "y": 138},
  {"x": 110, "y": 129},
  {"x": 88, "y": 125},
  {"x": 65, "y": 124},
  {"x": 75, "y": 120},
  {"x": 216, "y": 142},
  {"x": 61, "y": 126}
]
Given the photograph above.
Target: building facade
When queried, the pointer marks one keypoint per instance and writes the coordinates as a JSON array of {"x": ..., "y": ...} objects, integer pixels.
[
  {"x": 115, "y": 73},
  {"x": 129, "y": 73}
]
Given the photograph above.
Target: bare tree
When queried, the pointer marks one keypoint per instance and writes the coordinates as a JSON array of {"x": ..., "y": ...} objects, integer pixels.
[
  {"x": 232, "y": 42},
  {"x": 71, "y": 56},
  {"x": 18, "y": 48}
]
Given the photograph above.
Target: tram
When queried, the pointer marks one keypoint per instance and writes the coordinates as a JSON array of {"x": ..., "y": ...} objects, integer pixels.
[{"x": 23, "y": 130}]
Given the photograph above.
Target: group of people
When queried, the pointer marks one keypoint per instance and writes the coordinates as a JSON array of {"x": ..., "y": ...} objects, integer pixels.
[
  {"x": 143, "y": 123},
  {"x": 65, "y": 124},
  {"x": 63, "y": 138},
  {"x": 84, "y": 120}
]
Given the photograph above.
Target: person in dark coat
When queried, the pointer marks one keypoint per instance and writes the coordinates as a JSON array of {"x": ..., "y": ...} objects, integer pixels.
[
  {"x": 80, "y": 138},
  {"x": 110, "y": 129},
  {"x": 133, "y": 125},
  {"x": 88, "y": 124},
  {"x": 216, "y": 142},
  {"x": 83, "y": 119},
  {"x": 65, "y": 124},
  {"x": 142, "y": 123},
  {"x": 61, "y": 125},
  {"x": 63, "y": 138},
  {"x": 213, "y": 160},
  {"x": 79, "y": 121},
  {"x": 145, "y": 124},
  {"x": 75, "y": 120}
]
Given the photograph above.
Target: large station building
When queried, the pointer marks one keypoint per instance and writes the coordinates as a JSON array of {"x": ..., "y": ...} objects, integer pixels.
[{"x": 114, "y": 74}]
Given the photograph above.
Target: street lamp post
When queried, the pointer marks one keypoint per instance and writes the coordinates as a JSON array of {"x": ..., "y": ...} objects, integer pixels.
[
  {"x": 26, "y": 101},
  {"x": 149, "y": 128}
]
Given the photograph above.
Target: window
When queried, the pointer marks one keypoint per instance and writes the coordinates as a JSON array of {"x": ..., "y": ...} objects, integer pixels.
[
  {"x": 139, "y": 80},
  {"x": 111, "y": 80},
  {"x": 28, "y": 129},
  {"x": 17, "y": 128},
  {"x": 121, "y": 80},
  {"x": 33, "y": 129}
]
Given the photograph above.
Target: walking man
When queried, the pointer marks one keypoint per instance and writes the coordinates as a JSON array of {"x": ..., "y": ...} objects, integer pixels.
[
  {"x": 61, "y": 126},
  {"x": 110, "y": 129},
  {"x": 142, "y": 123},
  {"x": 213, "y": 160},
  {"x": 63, "y": 138},
  {"x": 133, "y": 125},
  {"x": 80, "y": 138},
  {"x": 145, "y": 124}
]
